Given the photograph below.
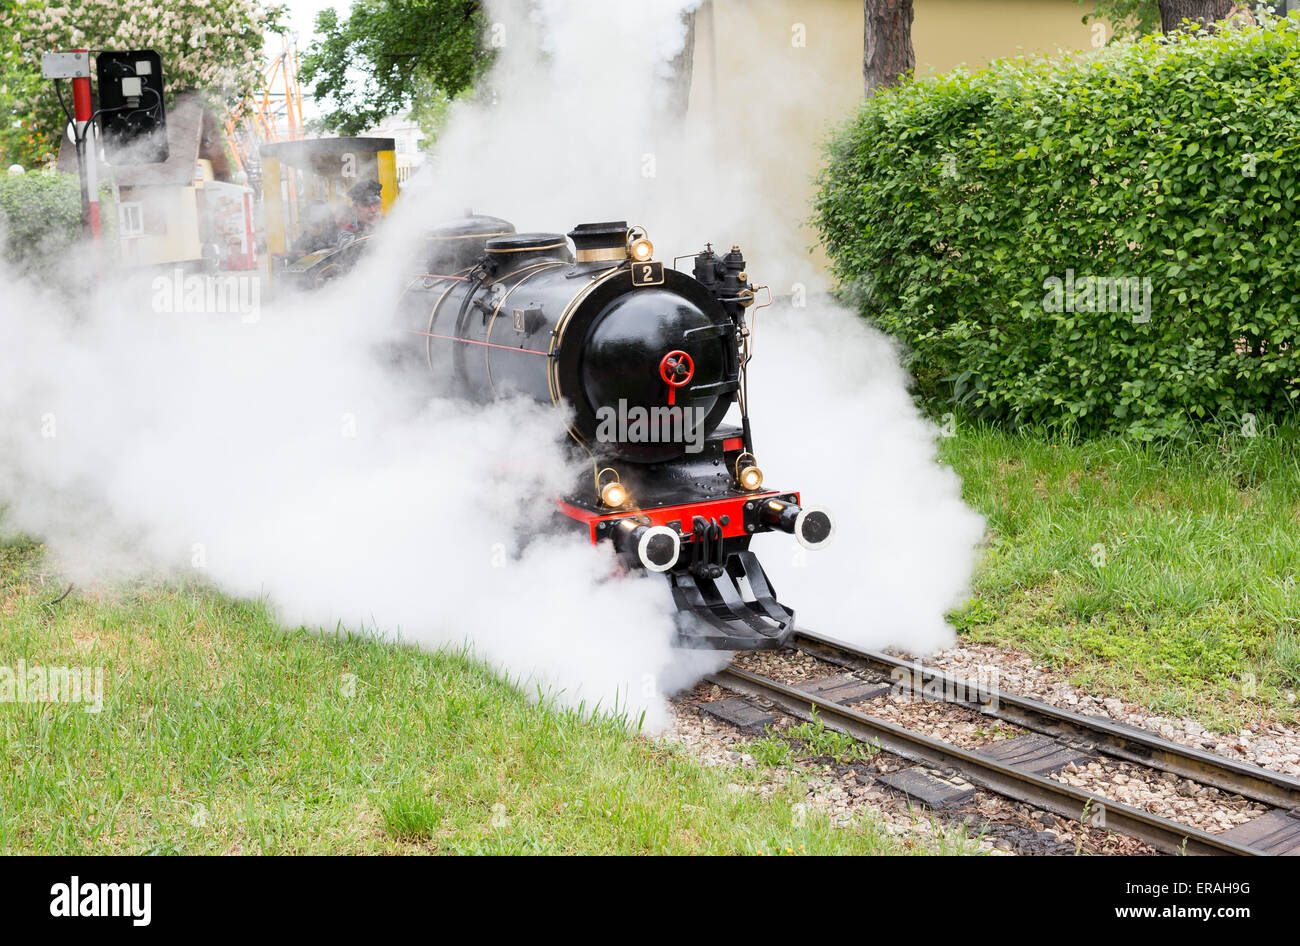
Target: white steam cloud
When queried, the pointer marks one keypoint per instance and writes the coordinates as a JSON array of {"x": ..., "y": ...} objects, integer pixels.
[
  {"x": 834, "y": 420},
  {"x": 285, "y": 459}
]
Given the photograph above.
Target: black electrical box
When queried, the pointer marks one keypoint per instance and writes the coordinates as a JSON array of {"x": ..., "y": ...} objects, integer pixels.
[{"x": 132, "y": 120}]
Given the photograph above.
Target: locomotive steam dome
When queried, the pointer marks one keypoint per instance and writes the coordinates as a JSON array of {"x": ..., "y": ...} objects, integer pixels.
[
  {"x": 458, "y": 244},
  {"x": 522, "y": 249}
]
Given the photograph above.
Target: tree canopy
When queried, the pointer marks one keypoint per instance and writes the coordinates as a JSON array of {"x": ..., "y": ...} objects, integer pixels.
[{"x": 388, "y": 56}]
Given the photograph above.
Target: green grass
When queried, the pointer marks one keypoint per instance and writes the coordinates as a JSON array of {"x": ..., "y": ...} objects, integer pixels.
[
  {"x": 411, "y": 812},
  {"x": 1166, "y": 573},
  {"x": 223, "y": 734}
]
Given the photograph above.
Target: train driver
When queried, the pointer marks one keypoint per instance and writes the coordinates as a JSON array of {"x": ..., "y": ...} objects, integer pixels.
[{"x": 366, "y": 207}]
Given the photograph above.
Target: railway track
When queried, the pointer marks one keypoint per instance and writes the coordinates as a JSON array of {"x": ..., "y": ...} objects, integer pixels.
[{"x": 1019, "y": 768}]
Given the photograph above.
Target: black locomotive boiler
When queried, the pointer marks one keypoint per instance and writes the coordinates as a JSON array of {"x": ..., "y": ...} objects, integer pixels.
[{"x": 649, "y": 361}]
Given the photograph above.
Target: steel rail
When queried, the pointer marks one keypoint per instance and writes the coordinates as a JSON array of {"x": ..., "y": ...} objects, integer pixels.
[
  {"x": 1065, "y": 800},
  {"x": 1110, "y": 738}
]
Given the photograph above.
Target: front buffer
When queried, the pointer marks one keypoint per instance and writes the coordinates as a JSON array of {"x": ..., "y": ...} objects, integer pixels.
[{"x": 725, "y": 599}]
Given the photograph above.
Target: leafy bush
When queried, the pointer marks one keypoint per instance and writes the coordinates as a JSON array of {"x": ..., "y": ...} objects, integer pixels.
[
  {"x": 40, "y": 220},
  {"x": 999, "y": 222}
]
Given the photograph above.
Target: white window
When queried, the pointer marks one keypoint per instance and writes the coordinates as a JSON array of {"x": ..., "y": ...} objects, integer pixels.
[{"x": 131, "y": 218}]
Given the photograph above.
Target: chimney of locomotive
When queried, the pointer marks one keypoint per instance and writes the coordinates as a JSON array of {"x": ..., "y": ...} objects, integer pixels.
[{"x": 600, "y": 242}]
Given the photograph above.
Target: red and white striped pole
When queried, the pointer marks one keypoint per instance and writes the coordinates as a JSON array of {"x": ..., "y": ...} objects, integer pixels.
[{"x": 82, "y": 110}]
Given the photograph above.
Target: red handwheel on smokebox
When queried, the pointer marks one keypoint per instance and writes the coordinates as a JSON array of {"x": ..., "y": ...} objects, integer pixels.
[{"x": 676, "y": 369}]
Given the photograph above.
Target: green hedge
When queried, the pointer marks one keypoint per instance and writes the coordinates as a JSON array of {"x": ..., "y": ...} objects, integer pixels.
[
  {"x": 40, "y": 220},
  {"x": 951, "y": 206}
]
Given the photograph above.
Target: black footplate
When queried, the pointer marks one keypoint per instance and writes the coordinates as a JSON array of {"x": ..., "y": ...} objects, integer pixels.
[{"x": 717, "y": 614}]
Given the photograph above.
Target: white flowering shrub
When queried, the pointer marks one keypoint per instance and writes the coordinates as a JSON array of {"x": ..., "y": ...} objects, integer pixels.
[{"x": 209, "y": 45}]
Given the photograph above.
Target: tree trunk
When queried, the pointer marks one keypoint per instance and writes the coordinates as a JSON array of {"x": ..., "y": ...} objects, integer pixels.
[
  {"x": 887, "y": 53},
  {"x": 1204, "y": 12}
]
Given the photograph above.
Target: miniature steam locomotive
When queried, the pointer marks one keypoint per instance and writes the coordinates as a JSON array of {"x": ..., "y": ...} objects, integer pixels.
[{"x": 650, "y": 362}]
